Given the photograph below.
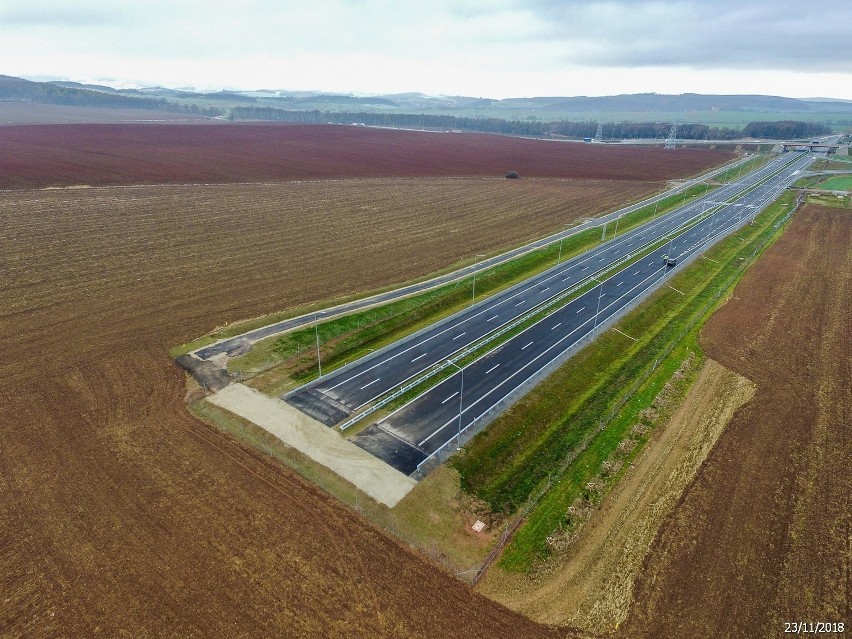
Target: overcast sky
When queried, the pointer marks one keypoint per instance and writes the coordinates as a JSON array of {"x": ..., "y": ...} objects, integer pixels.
[{"x": 489, "y": 48}]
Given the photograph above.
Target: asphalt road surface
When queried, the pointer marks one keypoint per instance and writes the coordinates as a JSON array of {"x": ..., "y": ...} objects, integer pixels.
[
  {"x": 334, "y": 397},
  {"x": 408, "y": 437}
]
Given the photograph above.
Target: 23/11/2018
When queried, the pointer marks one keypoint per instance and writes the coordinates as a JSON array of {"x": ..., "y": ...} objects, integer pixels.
[{"x": 814, "y": 627}]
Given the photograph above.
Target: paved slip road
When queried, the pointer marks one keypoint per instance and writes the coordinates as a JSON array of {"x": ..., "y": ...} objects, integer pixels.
[
  {"x": 412, "y": 434},
  {"x": 334, "y": 397}
]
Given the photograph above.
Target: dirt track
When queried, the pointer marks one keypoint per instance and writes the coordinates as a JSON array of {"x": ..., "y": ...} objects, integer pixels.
[{"x": 763, "y": 535}]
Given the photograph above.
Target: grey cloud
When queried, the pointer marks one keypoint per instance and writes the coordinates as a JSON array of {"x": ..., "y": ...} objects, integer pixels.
[
  {"x": 725, "y": 34},
  {"x": 53, "y": 16}
]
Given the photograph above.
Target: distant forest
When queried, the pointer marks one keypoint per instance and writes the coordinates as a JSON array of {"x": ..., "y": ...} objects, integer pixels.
[
  {"x": 786, "y": 129},
  {"x": 532, "y": 128}
]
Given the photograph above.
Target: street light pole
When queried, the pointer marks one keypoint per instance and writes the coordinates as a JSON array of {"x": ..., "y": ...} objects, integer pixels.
[
  {"x": 316, "y": 332},
  {"x": 739, "y": 172},
  {"x": 753, "y": 215},
  {"x": 615, "y": 232},
  {"x": 461, "y": 401},
  {"x": 473, "y": 292},
  {"x": 600, "y": 295},
  {"x": 709, "y": 228}
]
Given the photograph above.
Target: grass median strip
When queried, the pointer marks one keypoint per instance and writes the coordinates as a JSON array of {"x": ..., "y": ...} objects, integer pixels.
[{"x": 554, "y": 442}]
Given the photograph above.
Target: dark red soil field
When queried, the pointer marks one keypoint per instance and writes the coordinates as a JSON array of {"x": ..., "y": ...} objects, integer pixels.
[
  {"x": 763, "y": 535},
  {"x": 65, "y": 155},
  {"x": 30, "y": 113}
]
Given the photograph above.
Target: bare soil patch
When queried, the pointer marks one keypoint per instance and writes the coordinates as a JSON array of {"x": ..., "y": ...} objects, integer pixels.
[
  {"x": 762, "y": 536},
  {"x": 100, "y": 154},
  {"x": 30, "y": 113},
  {"x": 285, "y": 243}
]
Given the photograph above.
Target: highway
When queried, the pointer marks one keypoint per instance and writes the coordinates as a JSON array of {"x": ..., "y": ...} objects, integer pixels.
[
  {"x": 338, "y": 395},
  {"x": 277, "y": 328},
  {"x": 436, "y": 419}
]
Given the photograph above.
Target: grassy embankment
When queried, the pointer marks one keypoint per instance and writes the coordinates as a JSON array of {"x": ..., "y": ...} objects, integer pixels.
[
  {"x": 570, "y": 439},
  {"x": 839, "y": 183},
  {"x": 293, "y": 355},
  {"x": 832, "y": 163},
  {"x": 834, "y": 183}
]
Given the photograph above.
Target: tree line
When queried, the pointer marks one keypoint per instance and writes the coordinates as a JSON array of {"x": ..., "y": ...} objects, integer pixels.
[
  {"x": 785, "y": 130},
  {"x": 533, "y": 128}
]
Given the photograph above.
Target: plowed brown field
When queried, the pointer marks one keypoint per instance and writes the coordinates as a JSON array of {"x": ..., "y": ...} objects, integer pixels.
[
  {"x": 120, "y": 514},
  {"x": 763, "y": 536},
  {"x": 63, "y": 155},
  {"x": 29, "y": 113}
]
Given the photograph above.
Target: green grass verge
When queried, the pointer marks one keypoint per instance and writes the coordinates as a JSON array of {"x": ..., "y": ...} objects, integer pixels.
[
  {"x": 840, "y": 183},
  {"x": 830, "y": 200},
  {"x": 535, "y": 445}
]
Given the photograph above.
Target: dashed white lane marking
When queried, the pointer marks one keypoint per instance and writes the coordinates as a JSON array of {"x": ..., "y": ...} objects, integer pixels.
[
  {"x": 492, "y": 368},
  {"x": 582, "y": 308},
  {"x": 491, "y": 318},
  {"x": 450, "y": 397},
  {"x": 371, "y": 383},
  {"x": 519, "y": 303},
  {"x": 556, "y": 326},
  {"x": 420, "y": 357},
  {"x": 457, "y": 336},
  {"x": 524, "y": 347}
]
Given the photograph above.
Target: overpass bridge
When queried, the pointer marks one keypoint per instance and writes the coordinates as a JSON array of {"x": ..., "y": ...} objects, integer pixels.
[{"x": 811, "y": 147}]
